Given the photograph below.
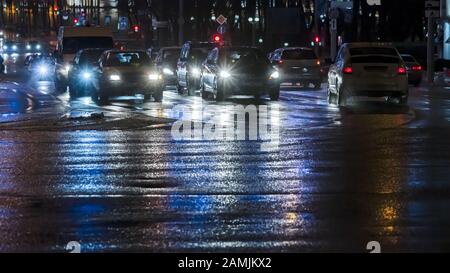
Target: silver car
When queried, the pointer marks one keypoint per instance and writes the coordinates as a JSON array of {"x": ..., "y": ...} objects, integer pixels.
[
  {"x": 368, "y": 69},
  {"x": 297, "y": 65}
]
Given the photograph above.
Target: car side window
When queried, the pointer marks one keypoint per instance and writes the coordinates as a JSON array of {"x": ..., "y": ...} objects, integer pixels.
[
  {"x": 185, "y": 52},
  {"x": 212, "y": 56},
  {"x": 340, "y": 57}
]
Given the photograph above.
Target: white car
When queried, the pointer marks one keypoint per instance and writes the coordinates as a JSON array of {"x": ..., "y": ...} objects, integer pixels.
[{"x": 368, "y": 69}]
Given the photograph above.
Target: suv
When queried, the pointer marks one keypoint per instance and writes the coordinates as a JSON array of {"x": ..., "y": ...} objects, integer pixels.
[
  {"x": 297, "y": 65},
  {"x": 189, "y": 65}
]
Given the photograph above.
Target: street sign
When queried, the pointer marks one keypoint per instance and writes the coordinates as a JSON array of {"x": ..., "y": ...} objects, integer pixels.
[
  {"x": 107, "y": 20},
  {"x": 222, "y": 29},
  {"x": 123, "y": 23},
  {"x": 221, "y": 19}
]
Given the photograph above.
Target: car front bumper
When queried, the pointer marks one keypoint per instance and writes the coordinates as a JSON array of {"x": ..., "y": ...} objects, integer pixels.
[{"x": 124, "y": 88}]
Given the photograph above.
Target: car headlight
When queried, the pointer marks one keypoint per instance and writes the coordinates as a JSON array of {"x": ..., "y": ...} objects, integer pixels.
[
  {"x": 5, "y": 47},
  {"x": 114, "y": 78},
  {"x": 14, "y": 47},
  {"x": 67, "y": 68},
  {"x": 28, "y": 47},
  {"x": 38, "y": 47},
  {"x": 42, "y": 69},
  {"x": 154, "y": 76},
  {"x": 195, "y": 72},
  {"x": 167, "y": 71},
  {"x": 86, "y": 75},
  {"x": 225, "y": 74},
  {"x": 275, "y": 75}
]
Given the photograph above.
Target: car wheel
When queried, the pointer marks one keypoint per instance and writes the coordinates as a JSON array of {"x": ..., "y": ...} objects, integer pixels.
[
  {"x": 275, "y": 95},
  {"x": 403, "y": 100},
  {"x": 147, "y": 96},
  {"x": 158, "y": 96},
  {"x": 94, "y": 96},
  {"x": 220, "y": 94},
  {"x": 341, "y": 98},
  {"x": 190, "y": 88},
  {"x": 180, "y": 89},
  {"x": 103, "y": 98},
  {"x": 317, "y": 85},
  {"x": 203, "y": 90},
  {"x": 73, "y": 92},
  {"x": 331, "y": 97},
  {"x": 60, "y": 87}
]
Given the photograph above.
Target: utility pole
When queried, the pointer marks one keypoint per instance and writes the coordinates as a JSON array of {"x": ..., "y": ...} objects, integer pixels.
[
  {"x": 181, "y": 22},
  {"x": 430, "y": 50}
]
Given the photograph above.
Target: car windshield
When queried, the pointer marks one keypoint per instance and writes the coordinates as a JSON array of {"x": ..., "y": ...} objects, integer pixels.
[
  {"x": 73, "y": 44},
  {"x": 171, "y": 55},
  {"x": 373, "y": 51},
  {"x": 88, "y": 57},
  {"x": 199, "y": 54},
  {"x": 247, "y": 55},
  {"x": 43, "y": 59},
  {"x": 299, "y": 54},
  {"x": 128, "y": 59}
]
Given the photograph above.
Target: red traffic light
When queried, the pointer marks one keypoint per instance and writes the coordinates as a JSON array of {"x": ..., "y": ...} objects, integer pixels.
[
  {"x": 136, "y": 28},
  {"x": 217, "y": 38},
  {"x": 75, "y": 20},
  {"x": 316, "y": 39}
]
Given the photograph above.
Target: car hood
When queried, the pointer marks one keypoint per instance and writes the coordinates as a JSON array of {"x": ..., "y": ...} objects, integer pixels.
[{"x": 138, "y": 70}]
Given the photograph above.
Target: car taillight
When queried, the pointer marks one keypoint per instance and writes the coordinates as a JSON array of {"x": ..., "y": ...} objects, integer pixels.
[
  {"x": 416, "y": 68},
  {"x": 318, "y": 62},
  {"x": 348, "y": 70},
  {"x": 401, "y": 70},
  {"x": 280, "y": 62}
]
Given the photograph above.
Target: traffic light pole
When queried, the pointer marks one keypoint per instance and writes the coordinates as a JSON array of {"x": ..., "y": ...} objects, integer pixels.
[
  {"x": 430, "y": 50},
  {"x": 181, "y": 22}
]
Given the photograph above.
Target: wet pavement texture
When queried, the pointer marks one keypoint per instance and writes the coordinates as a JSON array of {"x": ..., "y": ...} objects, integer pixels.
[{"x": 340, "y": 178}]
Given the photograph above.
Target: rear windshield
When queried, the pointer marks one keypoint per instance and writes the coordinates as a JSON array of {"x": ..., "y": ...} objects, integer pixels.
[
  {"x": 72, "y": 45},
  {"x": 299, "y": 54},
  {"x": 408, "y": 59},
  {"x": 128, "y": 59},
  {"x": 376, "y": 59},
  {"x": 373, "y": 51}
]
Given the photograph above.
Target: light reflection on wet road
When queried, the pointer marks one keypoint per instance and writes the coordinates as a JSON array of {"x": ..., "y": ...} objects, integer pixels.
[{"x": 341, "y": 178}]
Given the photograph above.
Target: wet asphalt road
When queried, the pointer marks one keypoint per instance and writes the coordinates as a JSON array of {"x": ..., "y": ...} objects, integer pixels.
[{"x": 340, "y": 178}]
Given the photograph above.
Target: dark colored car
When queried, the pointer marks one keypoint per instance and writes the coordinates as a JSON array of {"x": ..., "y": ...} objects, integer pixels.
[
  {"x": 10, "y": 47},
  {"x": 127, "y": 73},
  {"x": 230, "y": 71},
  {"x": 166, "y": 62},
  {"x": 414, "y": 70},
  {"x": 33, "y": 46},
  {"x": 42, "y": 67},
  {"x": 298, "y": 65},
  {"x": 189, "y": 65},
  {"x": 81, "y": 75}
]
